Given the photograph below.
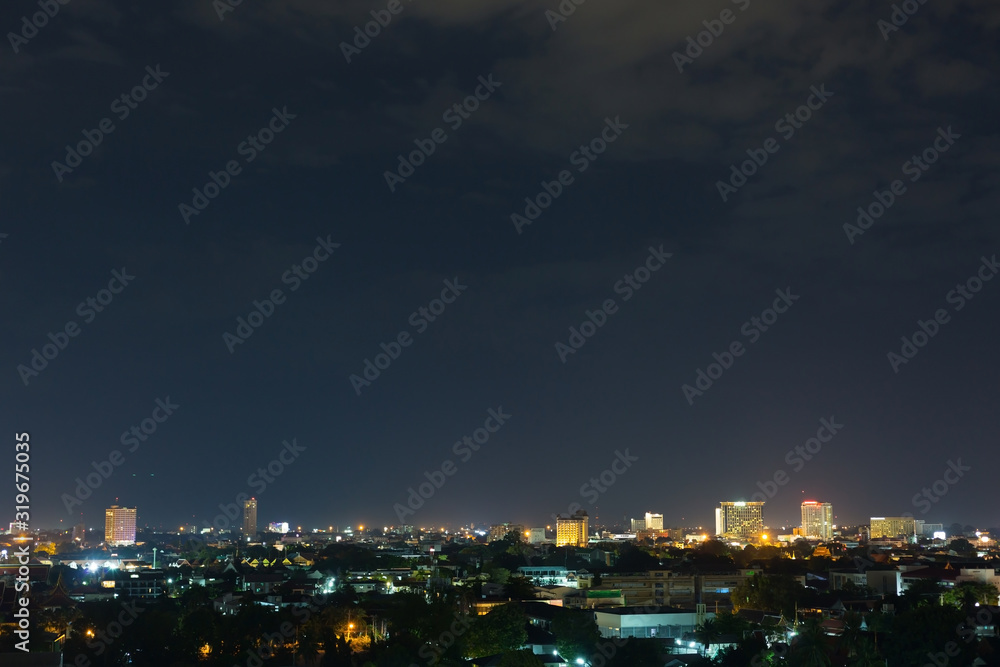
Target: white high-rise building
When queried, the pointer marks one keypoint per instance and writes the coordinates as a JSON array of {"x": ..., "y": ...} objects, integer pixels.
[
  {"x": 654, "y": 521},
  {"x": 741, "y": 520},
  {"x": 817, "y": 520}
]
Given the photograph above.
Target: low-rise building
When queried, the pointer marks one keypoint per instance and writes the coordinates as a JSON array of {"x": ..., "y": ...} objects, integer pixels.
[{"x": 646, "y": 622}]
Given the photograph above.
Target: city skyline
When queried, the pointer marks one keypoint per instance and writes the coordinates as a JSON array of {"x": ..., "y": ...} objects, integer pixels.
[
  {"x": 818, "y": 511},
  {"x": 493, "y": 266}
]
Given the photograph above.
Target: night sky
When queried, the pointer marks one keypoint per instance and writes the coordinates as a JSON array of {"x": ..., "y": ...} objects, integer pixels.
[{"x": 641, "y": 135}]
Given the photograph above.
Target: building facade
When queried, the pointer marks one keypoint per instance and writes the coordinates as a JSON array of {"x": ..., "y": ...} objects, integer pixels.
[
  {"x": 502, "y": 530},
  {"x": 573, "y": 530},
  {"x": 891, "y": 526},
  {"x": 250, "y": 519},
  {"x": 119, "y": 526},
  {"x": 739, "y": 519},
  {"x": 537, "y": 536},
  {"x": 817, "y": 520},
  {"x": 663, "y": 622}
]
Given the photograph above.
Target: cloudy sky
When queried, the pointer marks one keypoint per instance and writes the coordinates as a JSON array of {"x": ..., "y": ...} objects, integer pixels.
[{"x": 648, "y": 130}]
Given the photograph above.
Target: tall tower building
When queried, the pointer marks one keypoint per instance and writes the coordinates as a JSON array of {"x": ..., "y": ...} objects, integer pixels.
[
  {"x": 573, "y": 530},
  {"x": 119, "y": 526},
  {"x": 739, "y": 519},
  {"x": 250, "y": 519},
  {"x": 654, "y": 521},
  {"x": 817, "y": 520}
]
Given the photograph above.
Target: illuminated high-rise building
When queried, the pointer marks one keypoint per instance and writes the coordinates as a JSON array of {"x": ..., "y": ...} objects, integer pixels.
[
  {"x": 573, "y": 530},
  {"x": 739, "y": 519},
  {"x": 119, "y": 526},
  {"x": 250, "y": 519},
  {"x": 654, "y": 521},
  {"x": 817, "y": 520},
  {"x": 892, "y": 526}
]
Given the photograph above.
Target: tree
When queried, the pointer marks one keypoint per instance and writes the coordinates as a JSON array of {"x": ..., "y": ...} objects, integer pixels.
[
  {"x": 519, "y": 588},
  {"x": 966, "y": 594},
  {"x": 750, "y": 651},
  {"x": 576, "y": 633},
  {"x": 336, "y": 652},
  {"x": 730, "y": 623},
  {"x": 713, "y": 548},
  {"x": 503, "y": 629},
  {"x": 774, "y": 593},
  {"x": 522, "y": 658},
  {"x": 498, "y": 575},
  {"x": 633, "y": 559},
  {"x": 925, "y": 629},
  {"x": 708, "y": 633},
  {"x": 851, "y": 590},
  {"x": 851, "y": 638},
  {"x": 809, "y": 648},
  {"x": 962, "y": 547},
  {"x": 923, "y": 591},
  {"x": 866, "y": 656}
]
